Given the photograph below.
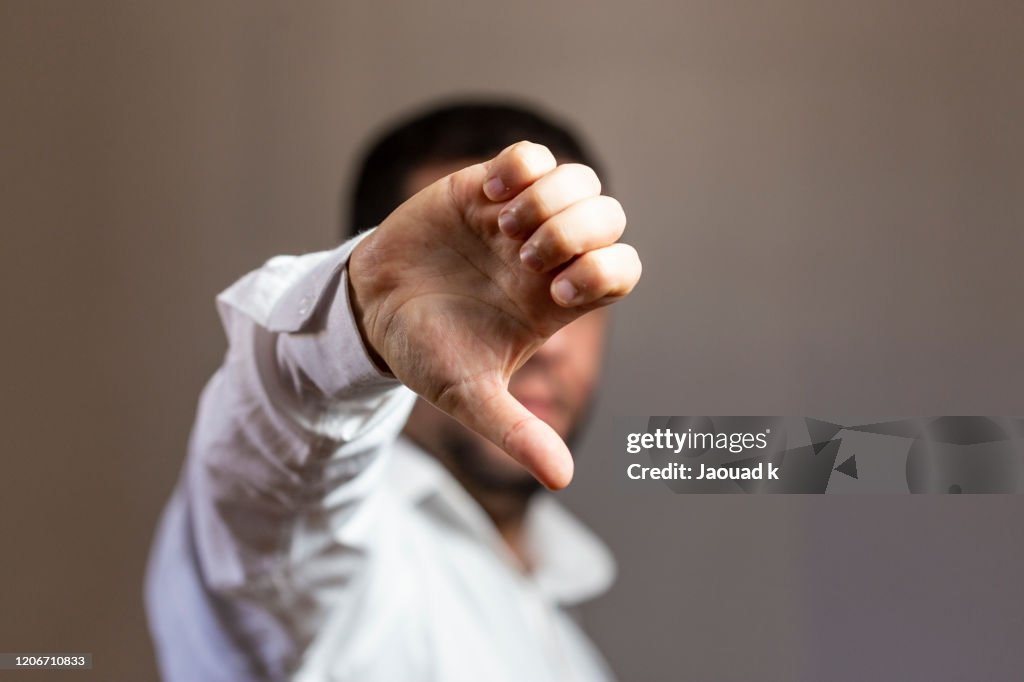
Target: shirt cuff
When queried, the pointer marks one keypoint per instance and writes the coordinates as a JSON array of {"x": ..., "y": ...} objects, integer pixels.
[{"x": 321, "y": 336}]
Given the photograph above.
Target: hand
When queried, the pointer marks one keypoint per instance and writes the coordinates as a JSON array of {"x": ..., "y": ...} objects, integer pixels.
[{"x": 452, "y": 304}]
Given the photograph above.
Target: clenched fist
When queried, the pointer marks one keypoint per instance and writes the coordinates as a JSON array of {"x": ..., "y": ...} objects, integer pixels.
[{"x": 467, "y": 279}]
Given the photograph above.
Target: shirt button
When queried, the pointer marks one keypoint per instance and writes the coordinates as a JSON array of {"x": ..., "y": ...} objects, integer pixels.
[{"x": 304, "y": 305}]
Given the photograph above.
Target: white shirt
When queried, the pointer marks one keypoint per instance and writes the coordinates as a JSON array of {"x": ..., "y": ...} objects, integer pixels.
[{"x": 307, "y": 541}]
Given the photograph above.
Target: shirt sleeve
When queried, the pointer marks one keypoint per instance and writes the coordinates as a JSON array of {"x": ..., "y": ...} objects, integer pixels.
[{"x": 284, "y": 457}]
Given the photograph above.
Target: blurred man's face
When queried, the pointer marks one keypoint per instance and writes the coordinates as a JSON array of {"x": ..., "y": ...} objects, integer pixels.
[{"x": 556, "y": 384}]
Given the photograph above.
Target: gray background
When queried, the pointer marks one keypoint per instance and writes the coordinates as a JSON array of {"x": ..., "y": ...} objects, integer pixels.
[{"x": 828, "y": 201}]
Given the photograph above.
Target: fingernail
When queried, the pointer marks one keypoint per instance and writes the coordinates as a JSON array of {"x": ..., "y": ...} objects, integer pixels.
[
  {"x": 495, "y": 188},
  {"x": 507, "y": 222},
  {"x": 563, "y": 291},
  {"x": 528, "y": 255}
]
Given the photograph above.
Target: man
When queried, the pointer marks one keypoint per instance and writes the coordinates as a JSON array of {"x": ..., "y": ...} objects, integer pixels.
[{"x": 304, "y": 541}]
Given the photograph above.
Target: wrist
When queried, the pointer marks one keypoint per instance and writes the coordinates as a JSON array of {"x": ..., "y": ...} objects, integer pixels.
[{"x": 360, "y": 299}]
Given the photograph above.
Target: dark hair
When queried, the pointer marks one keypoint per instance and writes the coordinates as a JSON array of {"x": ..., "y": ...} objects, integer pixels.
[{"x": 470, "y": 129}]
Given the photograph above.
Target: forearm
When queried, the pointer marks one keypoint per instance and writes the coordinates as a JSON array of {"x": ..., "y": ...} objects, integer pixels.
[
  {"x": 295, "y": 414},
  {"x": 285, "y": 453}
]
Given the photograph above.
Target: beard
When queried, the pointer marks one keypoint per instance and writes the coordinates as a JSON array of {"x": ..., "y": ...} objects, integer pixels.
[{"x": 466, "y": 455}]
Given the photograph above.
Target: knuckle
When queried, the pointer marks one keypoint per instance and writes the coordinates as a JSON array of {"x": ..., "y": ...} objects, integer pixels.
[
  {"x": 537, "y": 148},
  {"x": 633, "y": 265},
  {"x": 537, "y": 204},
  {"x": 626, "y": 250},
  {"x": 517, "y": 146},
  {"x": 557, "y": 239},
  {"x": 520, "y": 148},
  {"x": 542, "y": 147},
  {"x": 508, "y": 438},
  {"x": 608, "y": 211},
  {"x": 614, "y": 207},
  {"x": 531, "y": 156},
  {"x": 585, "y": 176},
  {"x": 596, "y": 271}
]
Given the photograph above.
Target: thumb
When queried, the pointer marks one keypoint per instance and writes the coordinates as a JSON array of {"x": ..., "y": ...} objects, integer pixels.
[{"x": 492, "y": 412}]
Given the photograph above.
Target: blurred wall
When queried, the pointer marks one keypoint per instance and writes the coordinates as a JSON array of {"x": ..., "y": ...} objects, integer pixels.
[{"x": 829, "y": 202}]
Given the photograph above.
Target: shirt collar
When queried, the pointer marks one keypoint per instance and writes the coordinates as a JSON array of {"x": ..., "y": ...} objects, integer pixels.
[{"x": 571, "y": 564}]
